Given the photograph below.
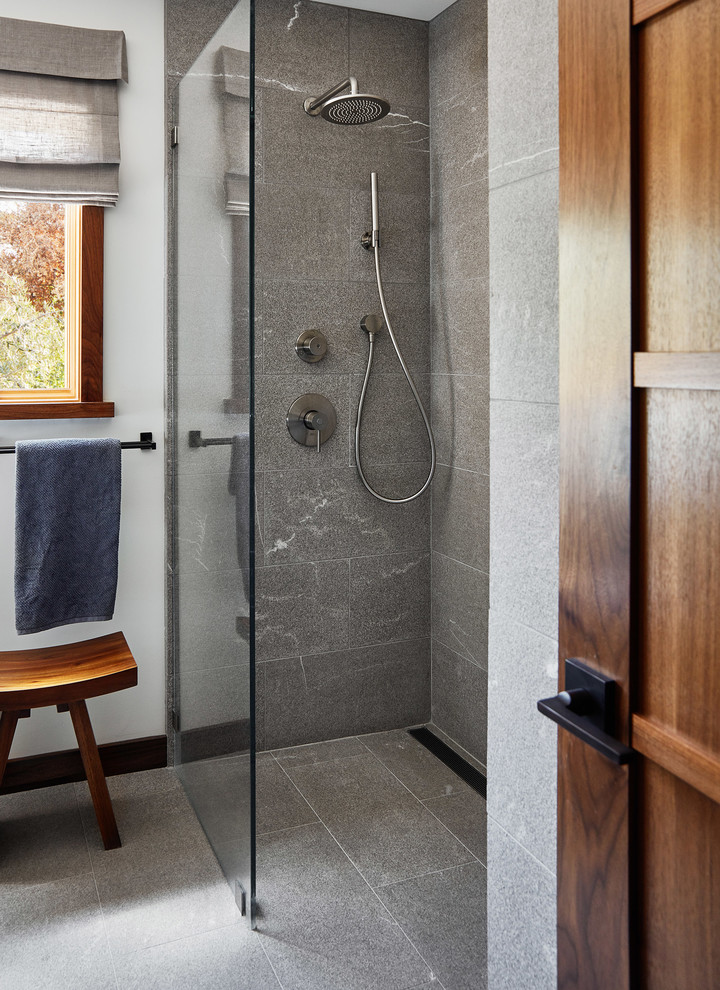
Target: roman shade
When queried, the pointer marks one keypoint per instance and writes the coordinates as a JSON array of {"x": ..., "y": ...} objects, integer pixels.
[
  {"x": 59, "y": 112},
  {"x": 235, "y": 78}
]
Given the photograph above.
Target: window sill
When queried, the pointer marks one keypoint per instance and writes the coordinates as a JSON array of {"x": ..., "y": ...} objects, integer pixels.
[{"x": 56, "y": 410}]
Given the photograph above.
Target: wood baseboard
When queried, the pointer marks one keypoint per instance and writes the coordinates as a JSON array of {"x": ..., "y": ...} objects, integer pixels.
[{"x": 30, "y": 772}]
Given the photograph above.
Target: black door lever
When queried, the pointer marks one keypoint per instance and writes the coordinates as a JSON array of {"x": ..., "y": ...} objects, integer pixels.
[{"x": 586, "y": 709}]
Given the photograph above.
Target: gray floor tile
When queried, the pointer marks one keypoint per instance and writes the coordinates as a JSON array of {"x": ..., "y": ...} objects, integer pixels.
[
  {"x": 322, "y": 927},
  {"x": 52, "y": 935},
  {"x": 41, "y": 836},
  {"x": 156, "y": 823},
  {"x": 385, "y": 831},
  {"x": 335, "y": 749},
  {"x": 444, "y": 914},
  {"x": 226, "y": 959},
  {"x": 279, "y": 803},
  {"x": 420, "y": 771},
  {"x": 465, "y": 814},
  {"x": 170, "y": 901}
]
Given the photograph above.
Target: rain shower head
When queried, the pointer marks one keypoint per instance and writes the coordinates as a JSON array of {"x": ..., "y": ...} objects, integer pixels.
[{"x": 352, "y": 108}]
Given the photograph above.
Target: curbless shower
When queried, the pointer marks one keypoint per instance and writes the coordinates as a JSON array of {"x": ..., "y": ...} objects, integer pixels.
[
  {"x": 371, "y": 325},
  {"x": 352, "y": 108}
]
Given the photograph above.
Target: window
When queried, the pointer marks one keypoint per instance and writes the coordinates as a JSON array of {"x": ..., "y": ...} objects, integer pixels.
[{"x": 51, "y": 294}]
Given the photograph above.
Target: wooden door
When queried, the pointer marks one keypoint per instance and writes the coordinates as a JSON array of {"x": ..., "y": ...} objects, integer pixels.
[{"x": 639, "y": 845}]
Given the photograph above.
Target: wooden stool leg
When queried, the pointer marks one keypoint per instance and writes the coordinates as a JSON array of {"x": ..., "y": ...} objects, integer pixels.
[
  {"x": 95, "y": 775},
  {"x": 8, "y": 722}
]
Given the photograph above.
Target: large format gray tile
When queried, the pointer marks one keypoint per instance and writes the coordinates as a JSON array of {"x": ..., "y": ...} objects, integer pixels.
[
  {"x": 370, "y": 689},
  {"x": 302, "y": 609},
  {"x": 414, "y": 766},
  {"x": 460, "y": 608},
  {"x": 465, "y": 814},
  {"x": 458, "y": 50},
  {"x": 279, "y": 803},
  {"x": 336, "y": 309},
  {"x": 209, "y": 605},
  {"x": 41, "y": 836},
  {"x": 444, "y": 915},
  {"x": 301, "y": 233},
  {"x": 169, "y": 901},
  {"x": 188, "y": 30},
  {"x": 227, "y": 959},
  {"x": 318, "y": 515},
  {"x": 461, "y": 421},
  {"x": 312, "y": 753},
  {"x": 521, "y": 917},
  {"x": 296, "y": 144},
  {"x": 215, "y": 696},
  {"x": 405, "y": 247},
  {"x": 300, "y": 46},
  {"x": 524, "y": 298},
  {"x": 321, "y": 925},
  {"x": 52, "y": 935},
  {"x": 460, "y": 510},
  {"x": 460, "y": 326},
  {"x": 156, "y": 823},
  {"x": 460, "y": 232},
  {"x": 459, "y": 699},
  {"x": 384, "y": 830},
  {"x": 392, "y": 54},
  {"x": 522, "y": 769},
  {"x": 274, "y": 447},
  {"x": 390, "y": 598},
  {"x": 393, "y": 430},
  {"x": 459, "y": 137},
  {"x": 524, "y": 513},
  {"x": 522, "y": 88}
]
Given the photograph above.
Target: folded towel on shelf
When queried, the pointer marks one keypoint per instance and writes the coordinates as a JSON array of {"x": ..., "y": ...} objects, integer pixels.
[
  {"x": 67, "y": 526},
  {"x": 239, "y": 486}
]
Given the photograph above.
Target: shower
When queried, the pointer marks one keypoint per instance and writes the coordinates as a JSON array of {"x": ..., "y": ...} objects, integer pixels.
[
  {"x": 372, "y": 325},
  {"x": 352, "y": 108}
]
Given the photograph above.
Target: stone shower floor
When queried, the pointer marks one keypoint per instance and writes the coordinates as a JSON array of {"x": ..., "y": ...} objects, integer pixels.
[{"x": 371, "y": 876}]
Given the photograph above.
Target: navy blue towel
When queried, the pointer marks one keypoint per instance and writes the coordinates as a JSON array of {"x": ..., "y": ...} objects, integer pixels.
[{"x": 67, "y": 526}]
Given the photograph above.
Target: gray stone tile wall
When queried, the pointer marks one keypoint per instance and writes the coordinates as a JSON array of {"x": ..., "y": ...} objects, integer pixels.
[
  {"x": 343, "y": 585},
  {"x": 522, "y": 662},
  {"x": 459, "y": 373}
]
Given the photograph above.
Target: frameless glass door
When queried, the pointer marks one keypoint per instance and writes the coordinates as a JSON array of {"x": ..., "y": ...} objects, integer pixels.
[{"x": 213, "y": 459}]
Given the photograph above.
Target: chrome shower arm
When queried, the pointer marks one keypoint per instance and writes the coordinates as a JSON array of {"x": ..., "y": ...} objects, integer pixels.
[{"x": 314, "y": 104}]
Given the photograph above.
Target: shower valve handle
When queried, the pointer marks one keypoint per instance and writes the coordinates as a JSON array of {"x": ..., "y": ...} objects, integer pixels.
[{"x": 311, "y": 420}]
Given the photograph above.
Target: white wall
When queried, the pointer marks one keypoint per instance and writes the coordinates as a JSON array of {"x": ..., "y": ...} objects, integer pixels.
[{"x": 134, "y": 362}]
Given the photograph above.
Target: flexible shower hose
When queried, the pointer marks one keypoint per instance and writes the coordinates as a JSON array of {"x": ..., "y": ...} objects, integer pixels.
[{"x": 371, "y": 336}]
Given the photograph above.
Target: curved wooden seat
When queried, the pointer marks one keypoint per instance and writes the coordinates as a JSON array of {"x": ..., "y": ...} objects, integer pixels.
[
  {"x": 57, "y": 675},
  {"x": 66, "y": 676}
]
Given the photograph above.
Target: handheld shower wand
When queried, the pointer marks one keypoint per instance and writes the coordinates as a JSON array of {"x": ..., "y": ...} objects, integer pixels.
[{"x": 371, "y": 325}]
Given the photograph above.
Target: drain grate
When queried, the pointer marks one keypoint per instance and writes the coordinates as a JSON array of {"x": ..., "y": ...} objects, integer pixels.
[{"x": 451, "y": 759}]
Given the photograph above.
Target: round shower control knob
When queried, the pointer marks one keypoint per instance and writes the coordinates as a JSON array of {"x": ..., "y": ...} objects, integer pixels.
[
  {"x": 311, "y": 420},
  {"x": 311, "y": 346}
]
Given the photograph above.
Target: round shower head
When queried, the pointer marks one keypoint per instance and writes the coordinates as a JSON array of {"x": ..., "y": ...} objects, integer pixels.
[{"x": 355, "y": 108}]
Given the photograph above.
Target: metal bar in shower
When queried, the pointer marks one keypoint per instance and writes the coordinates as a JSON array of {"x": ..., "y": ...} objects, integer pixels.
[
  {"x": 196, "y": 439},
  {"x": 145, "y": 442}
]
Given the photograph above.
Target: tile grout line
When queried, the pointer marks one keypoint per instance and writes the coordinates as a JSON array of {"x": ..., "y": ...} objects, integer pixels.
[{"x": 422, "y": 805}]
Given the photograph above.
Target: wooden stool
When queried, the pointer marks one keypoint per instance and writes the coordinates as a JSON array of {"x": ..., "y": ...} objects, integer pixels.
[{"x": 66, "y": 676}]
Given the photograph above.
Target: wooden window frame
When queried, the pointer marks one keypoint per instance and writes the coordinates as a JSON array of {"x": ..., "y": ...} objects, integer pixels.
[{"x": 89, "y": 292}]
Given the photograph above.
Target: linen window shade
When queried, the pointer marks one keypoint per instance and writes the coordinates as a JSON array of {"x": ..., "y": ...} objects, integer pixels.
[
  {"x": 59, "y": 112},
  {"x": 235, "y": 76}
]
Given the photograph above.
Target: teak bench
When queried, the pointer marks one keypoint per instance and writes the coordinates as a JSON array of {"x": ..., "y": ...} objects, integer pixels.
[{"x": 67, "y": 676}]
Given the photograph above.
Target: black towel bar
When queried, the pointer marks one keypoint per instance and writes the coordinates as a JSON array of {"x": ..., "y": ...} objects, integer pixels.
[{"x": 145, "y": 442}]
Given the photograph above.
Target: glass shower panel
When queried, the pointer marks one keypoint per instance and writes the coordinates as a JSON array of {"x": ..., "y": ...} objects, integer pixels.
[{"x": 213, "y": 467}]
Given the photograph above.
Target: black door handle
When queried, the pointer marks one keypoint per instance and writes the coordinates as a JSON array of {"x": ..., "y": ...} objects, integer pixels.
[{"x": 586, "y": 709}]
